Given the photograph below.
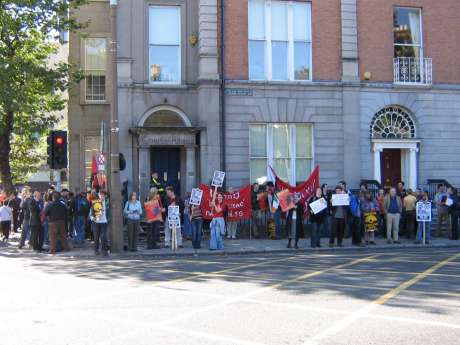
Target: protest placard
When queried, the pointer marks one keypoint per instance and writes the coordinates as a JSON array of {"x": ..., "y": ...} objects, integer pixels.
[
  {"x": 196, "y": 196},
  {"x": 423, "y": 211},
  {"x": 286, "y": 200},
  {"x": 340, "y": 200},
  {"x": 218, "y": 179},
  {"x": 318, "y": 205}
]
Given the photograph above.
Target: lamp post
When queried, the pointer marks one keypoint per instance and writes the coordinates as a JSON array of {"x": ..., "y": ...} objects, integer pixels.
[{"x": 116, "y": 225}]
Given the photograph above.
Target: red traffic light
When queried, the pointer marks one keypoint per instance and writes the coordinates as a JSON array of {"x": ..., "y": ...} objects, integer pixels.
[{"x": 59, "y": 140}]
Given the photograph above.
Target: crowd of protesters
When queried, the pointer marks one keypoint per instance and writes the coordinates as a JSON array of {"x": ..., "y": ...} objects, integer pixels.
[{"x": 61, "y": 220}]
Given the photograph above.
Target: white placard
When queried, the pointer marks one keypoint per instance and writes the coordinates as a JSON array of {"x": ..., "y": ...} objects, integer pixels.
[
  {"x": 195, "y": 197},
  {"x": 218, "y": 179},
  {"x": 173, "y": 212},
  {"x": 174, "y": 222},
  {"x": 423, "y": 211},
  {"x": 318, "y": 205},
  {"x": 340, "y": 200},
  {"x": 449, "y": 202}
]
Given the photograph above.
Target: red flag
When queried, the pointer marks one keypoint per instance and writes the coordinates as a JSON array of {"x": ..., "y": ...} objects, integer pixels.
[
  {"x": 305, "y": 189},
  {"x": 238, "y": 203}
]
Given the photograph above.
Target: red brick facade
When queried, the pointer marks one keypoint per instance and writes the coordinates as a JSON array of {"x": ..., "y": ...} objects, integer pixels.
[
  {"x": 325, "y": 39},
  {"x": 441, "y": 27}
]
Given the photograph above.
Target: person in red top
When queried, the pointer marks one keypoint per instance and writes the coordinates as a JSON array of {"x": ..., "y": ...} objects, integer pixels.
[{"x": 217, "y": 223}]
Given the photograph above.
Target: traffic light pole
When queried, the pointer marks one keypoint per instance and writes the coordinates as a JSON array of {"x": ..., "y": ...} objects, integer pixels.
[{"x": 116, "y": 224}]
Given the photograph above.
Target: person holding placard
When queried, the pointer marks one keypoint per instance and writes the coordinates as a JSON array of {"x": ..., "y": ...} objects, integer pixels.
[
  {"x": 393, "y": 210},
  {"x": 339, "y": 220},
  {"x": 196, "y": 217},
  {"x": 173, "y": 200},
  {"x": 294, "y": 222},
  {"x": 274, "y": 211},
  {"x": 318, "y": 219},
  {"x": 217, "y": 223},
  {"x": 419, "y": 237},
  {"x": 232, "y": 226},
  {"x": 370, "y": 211},
  {"x": 154, "y": 216}
]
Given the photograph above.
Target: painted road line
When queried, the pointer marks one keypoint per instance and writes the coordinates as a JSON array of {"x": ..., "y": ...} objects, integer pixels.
[
  {"x": 364, "y": 312},
  {"x": 219, "y": 305}
]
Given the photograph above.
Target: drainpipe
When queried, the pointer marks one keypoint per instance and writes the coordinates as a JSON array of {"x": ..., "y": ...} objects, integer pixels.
[{"x": 222, "y": 88}]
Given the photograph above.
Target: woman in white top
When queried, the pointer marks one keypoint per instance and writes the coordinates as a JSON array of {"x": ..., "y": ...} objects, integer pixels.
[{"x": 5, "y": 220}]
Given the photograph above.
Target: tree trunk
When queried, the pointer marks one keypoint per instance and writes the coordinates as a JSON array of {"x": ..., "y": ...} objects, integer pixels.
[{"x": 5, "y": 149}]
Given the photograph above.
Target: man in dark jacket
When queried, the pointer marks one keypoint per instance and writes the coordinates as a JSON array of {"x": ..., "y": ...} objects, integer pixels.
[
  {"x": 453, "y": 212},
  {"x": 56, "y": 212},
  {"x": 35, "y": 224},
  {"x": 25, "y": 211},
  {"x": 81, "y": 207},
  {"x": 15, "y": 204}
]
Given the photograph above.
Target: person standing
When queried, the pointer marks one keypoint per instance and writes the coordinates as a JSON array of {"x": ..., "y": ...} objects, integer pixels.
[
  {"x": 156, "y": 183},
  {"x": 99, "y": 215},
  {"x": 56, "y": 212},
  {"x": 217, "y": 222},
  {"x": 25, "y": 211},
  {"x": 409, "y": 213},
  {"x": 36, "y": 227},
  {"x": 81, "y": 211},
  {"x": 453, "y": 212},
  {"x": 133, "y": 212},
  {"x": 381, "y": 203},
  {"x": 187, "y": 220},
  {"x": 154, "y": 215},
  {"x": 173, "y": 200},
  {"x": 294, "y": 222},
  {"x": 256, "y": 213},
  {"x": 442, "y": 209},
  {"x": 232, "y": 225},
  {"x": 274, "y": 210},
  {"x": 339, "y": 220},
  {"x": 419, "y": 236},
  {"x": 6, "y": 215},
  {"x": 393, "y": 210},
  {"x": 370, "y": 211},
  {"x": 196, "y": 217},
  {"x": 15, "y": 204},
  {"x": 355, "y": 209},
  {"x": 318, "y": 220}
]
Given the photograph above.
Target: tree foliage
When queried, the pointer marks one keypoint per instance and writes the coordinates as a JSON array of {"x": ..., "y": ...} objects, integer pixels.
[{"x": 31, "y": 89}]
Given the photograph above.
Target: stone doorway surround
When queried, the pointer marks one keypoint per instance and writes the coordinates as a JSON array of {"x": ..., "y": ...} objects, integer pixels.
[
  {"x": 409, "y": 149},
  {"x": 146, "y": 137}
]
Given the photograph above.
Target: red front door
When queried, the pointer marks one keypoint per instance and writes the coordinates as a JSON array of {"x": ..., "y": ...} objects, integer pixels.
[{"x": 391, "y": 167}]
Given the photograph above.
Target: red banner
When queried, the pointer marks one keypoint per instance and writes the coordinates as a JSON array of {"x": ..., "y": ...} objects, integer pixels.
[
  {"x": 238, "y": 203},
  {"x": 305, "y": 189}
]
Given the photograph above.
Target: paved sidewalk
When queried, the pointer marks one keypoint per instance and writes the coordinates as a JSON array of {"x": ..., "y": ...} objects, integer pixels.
[{"x": 231, "y": 247}]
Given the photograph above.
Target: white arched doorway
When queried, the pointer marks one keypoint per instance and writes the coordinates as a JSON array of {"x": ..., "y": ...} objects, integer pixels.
[{"x": 395, "y": 146}]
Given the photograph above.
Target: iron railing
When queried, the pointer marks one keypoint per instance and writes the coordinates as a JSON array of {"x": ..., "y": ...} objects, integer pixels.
[{"x": 410, "y": 70}]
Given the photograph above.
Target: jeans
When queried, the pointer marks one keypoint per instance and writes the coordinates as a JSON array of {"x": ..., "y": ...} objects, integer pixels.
[
  {"x": 393, "y": 224},
  {"x": 133, "y": 234},
  {"x": 100, "y": 237},
  {"x": 79, "y": 229},
  {"x": 153, "y": 235},
  {"x": 231, "y": 229},
  {"x": 187, "y": 226},
  {"x": 427, "y": 231},
  {"x": 454, "y": 224},
  {"x": 443, "y": 220},
  {"x": 46, "y": 238},
  {"x": 217, "y": 230},
  {"x": 410, "y": 223},
  {"x": 36, "y": 237},
  {"x": 24, "y": 233},
  {"x": 315, "y": 239},
  {"x": 197, "y": 230},
  {"x": 356, "y": 230},
  {"x": 337, "y": 230}
]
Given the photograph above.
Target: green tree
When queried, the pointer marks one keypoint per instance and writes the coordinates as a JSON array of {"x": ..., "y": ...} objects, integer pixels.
[{"x": 31, "y": 89}]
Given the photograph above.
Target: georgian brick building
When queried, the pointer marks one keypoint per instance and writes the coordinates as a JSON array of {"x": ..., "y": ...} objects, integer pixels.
[{"x": 367, "y": 89}]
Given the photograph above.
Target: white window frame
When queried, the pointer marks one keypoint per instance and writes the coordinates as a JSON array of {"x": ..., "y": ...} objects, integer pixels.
[
  {"x": 421, "y": 31},
  {"x": 85, "y": 70},
  {"x": 292, "y": 179},
  {"x": 179, "y": 62},
  {"x": 291, "y": 41}
]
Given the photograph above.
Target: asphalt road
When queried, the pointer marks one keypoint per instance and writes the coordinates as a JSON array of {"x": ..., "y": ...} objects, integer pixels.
[{"x": 397, "y": 297}]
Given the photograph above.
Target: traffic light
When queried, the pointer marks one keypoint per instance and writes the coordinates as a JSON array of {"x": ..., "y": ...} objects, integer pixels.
[{"x": 57, "y": 150}]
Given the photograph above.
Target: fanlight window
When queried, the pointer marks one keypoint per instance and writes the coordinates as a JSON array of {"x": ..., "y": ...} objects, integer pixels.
[
  {"x": 392, "y": 123},
  {"x": 164, "y": 118}
]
